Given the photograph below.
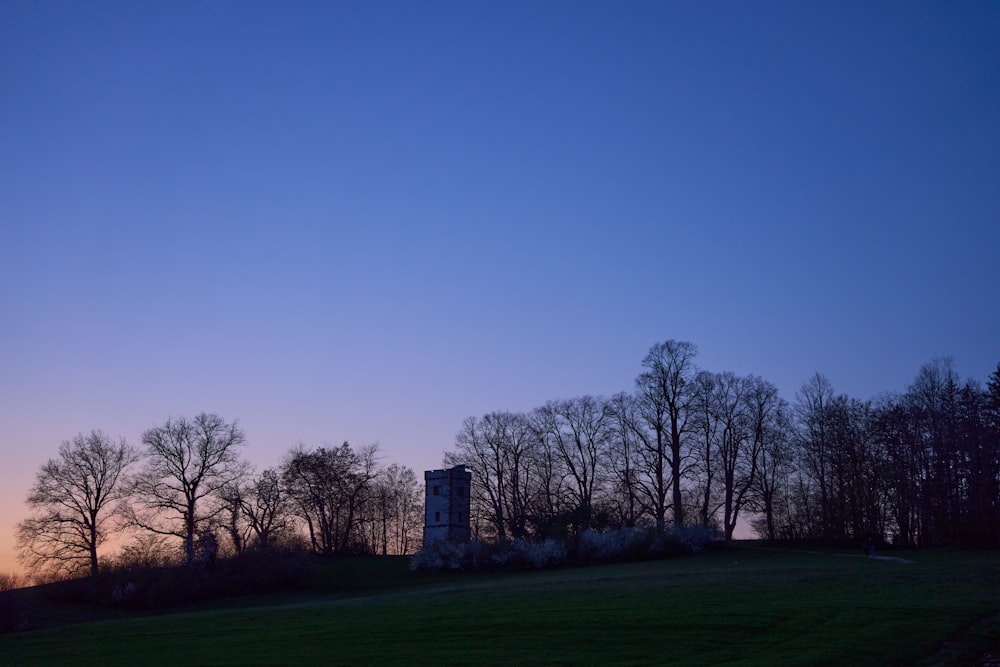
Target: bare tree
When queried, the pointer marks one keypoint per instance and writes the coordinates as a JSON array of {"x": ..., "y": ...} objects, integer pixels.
[
  {"x": 749, "y": 423},
  {"x": 769, "y": 493},
  {"x": 623, "y": 458},
  {"x": 254, "y": 510},
  {"x": 232, "y": 520},
  {"x": 266, "y": 507},
  {"x": 397, "y": 513},
  {"x": 705, "y": 422},
  {"x": 897, "y": 431},
  {"x": 579, "y": 431},
  {"x": 733, "y": 434},
  {"x": 811, "y": 410},
  {"x": 665, "y": 388},
  {"x": 189, "y": 462},
  {"x": 551, "y": 498},
  {"x": 934, "y": 395},
  {"x": 329, "y": 488},
  {"x": 847, "y": 462},
  {"x": 71, "y": 503},
  {"x": 501, "y": 450},
  {"x": 644, "y": 419}
]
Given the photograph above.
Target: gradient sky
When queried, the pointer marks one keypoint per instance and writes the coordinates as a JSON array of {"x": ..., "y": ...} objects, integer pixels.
[{"x": 366, "y": 221}]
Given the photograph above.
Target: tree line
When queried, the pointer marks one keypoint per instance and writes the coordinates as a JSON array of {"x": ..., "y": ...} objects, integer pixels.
[
  {"x": 689, "y": 446},
  {"x": 187, "y": 495},
  {"x": 686, "y": 447}
]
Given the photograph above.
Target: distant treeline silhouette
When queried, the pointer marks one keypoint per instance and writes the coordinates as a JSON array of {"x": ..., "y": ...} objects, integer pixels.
[
  {"x": 687, "y": 447},
  {"x": 188, "y": 497},
  {"x": 694, "y": 447}
]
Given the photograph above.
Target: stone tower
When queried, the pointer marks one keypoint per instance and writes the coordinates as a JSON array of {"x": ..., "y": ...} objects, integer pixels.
[{"x": 446, "y": 509}]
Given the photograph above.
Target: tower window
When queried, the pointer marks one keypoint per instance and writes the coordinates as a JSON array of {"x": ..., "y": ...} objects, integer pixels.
[
  {"x": 437, "y": 516},
  {"x": 460, "y": 491},
  {"x": 437, "y": 490}
]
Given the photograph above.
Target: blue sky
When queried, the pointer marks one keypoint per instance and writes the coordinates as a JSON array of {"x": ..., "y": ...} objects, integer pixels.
[{"x": 368, "y": 221}]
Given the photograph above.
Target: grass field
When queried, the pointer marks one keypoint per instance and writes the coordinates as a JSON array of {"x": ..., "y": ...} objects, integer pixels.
[{"x": 740, "y": 606}]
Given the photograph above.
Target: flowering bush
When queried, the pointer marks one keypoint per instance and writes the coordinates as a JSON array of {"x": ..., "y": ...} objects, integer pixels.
[
  {"x": 440, "y": 555},
  {"x": 445, "y": 555},
  {"x": 539, "y": 555},
  {"x": 591, "y": 546}
]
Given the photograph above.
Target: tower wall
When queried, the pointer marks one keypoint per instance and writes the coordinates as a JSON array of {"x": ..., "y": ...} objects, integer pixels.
[{"x": 447, "y": 505}]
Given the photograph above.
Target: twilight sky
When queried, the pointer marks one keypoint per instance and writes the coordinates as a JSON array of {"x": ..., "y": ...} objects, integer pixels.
[{"x": 366, "y": 221}]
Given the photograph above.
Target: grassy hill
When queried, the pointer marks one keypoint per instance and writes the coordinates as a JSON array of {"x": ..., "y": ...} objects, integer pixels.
[{"x": 745, "y": 605}]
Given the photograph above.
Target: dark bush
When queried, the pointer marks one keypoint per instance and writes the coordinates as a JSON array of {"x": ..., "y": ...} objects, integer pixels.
[
  {"x": 13, "y": 616},
  {"x": 146, "y": 588},
  {"x": 254, "y": 571}
]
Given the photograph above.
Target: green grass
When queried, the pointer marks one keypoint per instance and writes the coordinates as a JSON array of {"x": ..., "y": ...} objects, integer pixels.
[{"x": 744, "y": 606}]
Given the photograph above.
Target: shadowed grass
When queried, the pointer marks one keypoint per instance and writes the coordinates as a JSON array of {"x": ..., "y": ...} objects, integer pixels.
[{"x": 742, "y": 606}]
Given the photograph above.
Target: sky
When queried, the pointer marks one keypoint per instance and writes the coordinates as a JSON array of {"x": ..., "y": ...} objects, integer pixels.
[{"x": 367, "y": 221}]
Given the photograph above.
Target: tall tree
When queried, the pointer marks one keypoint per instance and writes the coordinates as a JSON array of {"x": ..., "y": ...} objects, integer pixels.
[
  {"x": 256, "y": 509},
  {"x": 397, "y": 511},
  {"x": 705, "y": 408},
  {"x": 770, "y": 490},
  {"x": 188, "y": 464},
  {"x": 934, "y": 397},
  {"x": 761, "y": 415},
  {"x": 643, "y": 419},
  {"x": 979, "y": 457},
  {"x": 893, "y": 428},
  {"x": 736, "y": 452},
  {"x": 812, "y": 418},
  {"x": 265, "y": 506},
  {"x": 71, "y": 503},
  {"x": 500, "y": 449},
  {"x": 330, "y": 488},
  {"x": 623, "y": 459},
  {"x": 665, "y": 387},
  {"x": 578, "y": 430},
  {"x": 989, "y": 488}
]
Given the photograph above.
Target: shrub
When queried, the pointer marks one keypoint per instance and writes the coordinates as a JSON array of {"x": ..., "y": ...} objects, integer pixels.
[
  {"x": 501, "y": 556},
  {"x": 147, "y": 551},
  {"x": 445, "y": 555},
  {"x": 261, "y": 570},
  {"x": 691, "y": 539},
  {"x": 253, "y": 571},
  {"x": 10, "y": 581},
  {"x": 440, "y": 555},
  {"x": 613, "y": 545},
  {"x": 123, "y": 593},
  {"x": 12, "y": 614},
  {"x": 590, "y": 547},
  {"x": 547, "y": 553}
]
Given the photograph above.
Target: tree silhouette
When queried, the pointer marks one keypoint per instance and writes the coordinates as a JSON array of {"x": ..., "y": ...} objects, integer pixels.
[
  {"x": 72, "y": 502},
  {"x": 189, "y": 462}
]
